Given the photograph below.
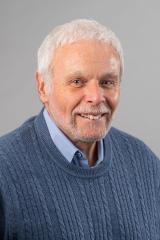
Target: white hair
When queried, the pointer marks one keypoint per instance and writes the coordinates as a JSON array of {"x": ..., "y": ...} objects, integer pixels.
[{"x": 76, "y": 30}]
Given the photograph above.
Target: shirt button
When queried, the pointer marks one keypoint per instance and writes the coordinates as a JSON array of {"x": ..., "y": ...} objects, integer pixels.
[{"x": 79, "y": 154}]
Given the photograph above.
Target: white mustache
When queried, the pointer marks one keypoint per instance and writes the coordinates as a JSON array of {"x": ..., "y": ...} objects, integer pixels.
[{"x": 96, "y": 110}]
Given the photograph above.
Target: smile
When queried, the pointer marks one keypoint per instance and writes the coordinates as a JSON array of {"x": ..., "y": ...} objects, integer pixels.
[{"x": 91, "y": 116}]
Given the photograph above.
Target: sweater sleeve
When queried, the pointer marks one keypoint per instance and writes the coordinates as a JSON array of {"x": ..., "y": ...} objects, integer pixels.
[
  {"x": 2, "y": 201},
  {"x": 158, "y": 194},
  {"x": 2, "y": 221}
]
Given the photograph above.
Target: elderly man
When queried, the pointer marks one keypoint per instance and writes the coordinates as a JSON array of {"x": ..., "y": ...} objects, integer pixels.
[{"x": 66, "y": 174}]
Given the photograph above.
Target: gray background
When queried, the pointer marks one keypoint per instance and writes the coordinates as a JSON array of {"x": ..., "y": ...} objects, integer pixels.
[{"x": 23, "y": 26}]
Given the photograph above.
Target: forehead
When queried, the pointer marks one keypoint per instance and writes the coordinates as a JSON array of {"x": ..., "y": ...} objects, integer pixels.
[{"x": 86, "y": 55}]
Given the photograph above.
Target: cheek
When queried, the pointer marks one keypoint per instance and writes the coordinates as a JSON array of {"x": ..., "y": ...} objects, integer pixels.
[
  {"x": 60, "y": 106},
  {"x": 113, "y": 100}
]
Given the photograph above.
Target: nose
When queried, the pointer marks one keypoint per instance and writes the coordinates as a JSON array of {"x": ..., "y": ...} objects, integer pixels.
[{"x": 94, "y": 93}]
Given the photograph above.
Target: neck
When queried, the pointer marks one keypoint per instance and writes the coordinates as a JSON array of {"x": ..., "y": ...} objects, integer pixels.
[{"x": 90, "y": 151}]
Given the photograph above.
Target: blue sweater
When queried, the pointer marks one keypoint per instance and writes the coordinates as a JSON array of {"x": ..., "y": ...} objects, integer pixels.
[{"x": 43, "y": 196}]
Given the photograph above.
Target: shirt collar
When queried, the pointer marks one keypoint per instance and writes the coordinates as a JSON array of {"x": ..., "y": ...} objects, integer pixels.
[{"x": 60, "y": 140}]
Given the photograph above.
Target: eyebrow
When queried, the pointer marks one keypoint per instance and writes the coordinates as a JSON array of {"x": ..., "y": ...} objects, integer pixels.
[
  {"x": 109, "y": 75},
  {"x": 80, "y": 74},
  {"x": 76, "y": 74}
]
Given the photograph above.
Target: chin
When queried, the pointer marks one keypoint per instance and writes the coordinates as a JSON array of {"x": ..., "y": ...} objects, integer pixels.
[
  {"x": 89, "y": 138},
  {"x": 88, "y": 135}
]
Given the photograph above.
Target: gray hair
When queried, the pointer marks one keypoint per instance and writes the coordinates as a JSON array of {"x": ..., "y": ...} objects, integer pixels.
[{"x": 76, "y": 30}]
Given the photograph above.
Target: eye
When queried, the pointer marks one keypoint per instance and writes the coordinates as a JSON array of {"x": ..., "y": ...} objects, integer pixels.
[
  {"x": 108, "y": 83},
  {"x": 77, "y": 82}
]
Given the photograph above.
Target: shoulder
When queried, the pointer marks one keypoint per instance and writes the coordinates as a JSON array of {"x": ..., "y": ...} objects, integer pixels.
[
  {"x": 10, "y": 143},
  {"x": 121, "y": 135},
  {"x": 134, "y": 149},
  {"x": 14, "y": 148},
  {"x": 127, "y": 140}
]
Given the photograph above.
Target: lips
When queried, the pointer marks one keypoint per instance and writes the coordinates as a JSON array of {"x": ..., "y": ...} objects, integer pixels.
[{"x": 91, "y": 116}]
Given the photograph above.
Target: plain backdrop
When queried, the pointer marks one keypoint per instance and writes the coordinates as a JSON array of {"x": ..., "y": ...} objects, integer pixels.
[{"x": 23, "y": 26}]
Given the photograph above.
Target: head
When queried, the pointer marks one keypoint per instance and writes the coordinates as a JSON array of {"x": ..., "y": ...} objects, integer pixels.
[
  {"x": 79, "y": 71},
  {"x": 80, "y": 29}
]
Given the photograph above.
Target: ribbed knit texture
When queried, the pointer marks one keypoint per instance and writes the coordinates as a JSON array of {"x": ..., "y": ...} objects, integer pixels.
[{"x": 43, "y": 196}]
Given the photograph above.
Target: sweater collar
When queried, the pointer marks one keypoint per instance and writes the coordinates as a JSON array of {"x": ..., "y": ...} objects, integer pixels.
[{"x": 53, "y": 154}]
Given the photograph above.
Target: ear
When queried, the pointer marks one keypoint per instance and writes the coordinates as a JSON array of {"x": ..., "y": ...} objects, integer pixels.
[{"x": 41, "y": 88}]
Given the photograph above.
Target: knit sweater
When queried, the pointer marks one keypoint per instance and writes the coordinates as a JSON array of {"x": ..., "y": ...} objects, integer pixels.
[{"x": 43, "y": 196}]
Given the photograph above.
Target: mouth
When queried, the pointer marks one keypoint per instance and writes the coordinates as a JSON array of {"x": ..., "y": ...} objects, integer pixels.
[{"x": 92, "y": 116}]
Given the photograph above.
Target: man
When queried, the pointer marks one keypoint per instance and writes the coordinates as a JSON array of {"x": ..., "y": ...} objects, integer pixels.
[{"x": 66, "y": 174}]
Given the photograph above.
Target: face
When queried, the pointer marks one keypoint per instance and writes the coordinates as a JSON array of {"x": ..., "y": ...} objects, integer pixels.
[{"x": 84, "y": 92}]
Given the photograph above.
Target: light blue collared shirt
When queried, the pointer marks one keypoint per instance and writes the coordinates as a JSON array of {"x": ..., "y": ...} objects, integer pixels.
[{"x": 69, "y": 150}]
